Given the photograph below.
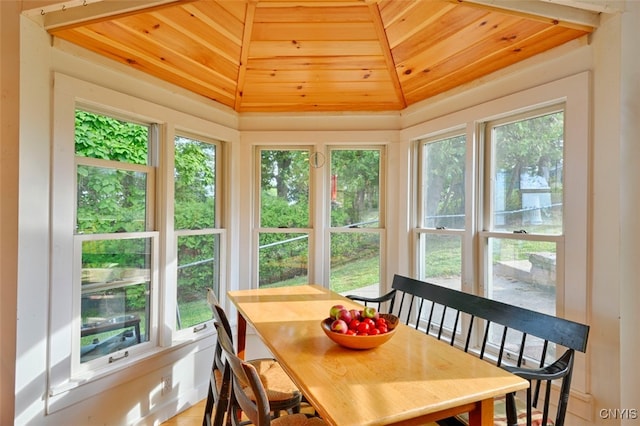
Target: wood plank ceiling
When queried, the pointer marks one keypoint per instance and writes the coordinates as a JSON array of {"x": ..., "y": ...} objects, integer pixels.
[{"x": 327, "y": 55}]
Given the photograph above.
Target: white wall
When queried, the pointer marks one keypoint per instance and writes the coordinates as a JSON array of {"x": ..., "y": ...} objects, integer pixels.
[
  {"x": 9, "y": 151},
  {"x": 629, "y": 208},
  {"x": 613, "y": 239}
]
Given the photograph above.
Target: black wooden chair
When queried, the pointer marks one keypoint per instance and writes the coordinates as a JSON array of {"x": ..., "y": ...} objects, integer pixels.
[
  {"x": 249, "y": 394},
  {"x": 282, "y": 392},
  {"x": 519, "y": 340}
]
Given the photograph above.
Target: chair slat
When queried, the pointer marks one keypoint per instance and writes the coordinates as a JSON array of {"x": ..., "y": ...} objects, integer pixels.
[{"x": 483, "y": 313}]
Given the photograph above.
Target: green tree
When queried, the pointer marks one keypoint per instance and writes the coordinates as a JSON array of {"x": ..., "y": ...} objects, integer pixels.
[
  {"x": 528, "y": 146},
  {"x": 357, "y": 176}
]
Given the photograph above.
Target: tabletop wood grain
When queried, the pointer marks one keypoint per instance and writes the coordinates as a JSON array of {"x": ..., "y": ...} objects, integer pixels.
[{"x": 411, "y": 379}]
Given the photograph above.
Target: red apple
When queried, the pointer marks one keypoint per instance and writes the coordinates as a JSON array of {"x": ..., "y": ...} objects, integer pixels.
[
  {"x": 339, "y": 326},
  {"x": 355, "y": 314},
  {"x": 344, "y": 315},
  {"x": 333, "y": 312}
]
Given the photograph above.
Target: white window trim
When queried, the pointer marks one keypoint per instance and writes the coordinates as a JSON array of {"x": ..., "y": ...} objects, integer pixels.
[
  {"x": 575, "y": 92},
  {"x": 66, "y": 385}
]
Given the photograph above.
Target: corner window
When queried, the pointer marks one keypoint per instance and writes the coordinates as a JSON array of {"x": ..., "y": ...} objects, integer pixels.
[{"x": 137, "y": 235}]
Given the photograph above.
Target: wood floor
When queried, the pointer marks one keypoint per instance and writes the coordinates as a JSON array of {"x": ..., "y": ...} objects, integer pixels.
[
  {"x": 193, "y": 417},
  {"x": 189, "y": 417}
]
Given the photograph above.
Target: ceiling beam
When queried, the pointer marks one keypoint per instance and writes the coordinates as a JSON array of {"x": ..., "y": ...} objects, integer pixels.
[
  {"x": 558, "y": 13},
  {"x": 57, "y": 15},
  {"x": 244, "y": 53},
  {"x": 374, "y": 10}
]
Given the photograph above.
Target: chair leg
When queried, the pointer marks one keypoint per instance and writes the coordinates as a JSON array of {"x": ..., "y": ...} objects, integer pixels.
[
  {"x": 208, "y": 409},
  {"x": 511, "y": 410}
]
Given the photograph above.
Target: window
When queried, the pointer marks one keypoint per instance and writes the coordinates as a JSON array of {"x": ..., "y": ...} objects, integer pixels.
[
  {"x": 284, "y": 217},
  {"x": 197, "y": 228},
  {"x": 519, "y": 215},
  {"x": 442, "y": 218},
  {"x": 114, "y": 236},
  {"x": 524, "y": 197},
  {"x": 356, "y": 224},
  {"x": 137, "y": 235},
  {"x": 289, "y": 244},
  {"x": 524, "y": 200}
]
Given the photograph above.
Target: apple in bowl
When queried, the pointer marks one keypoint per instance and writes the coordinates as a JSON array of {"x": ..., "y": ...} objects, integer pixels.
[{"x": 365, "y": 329}]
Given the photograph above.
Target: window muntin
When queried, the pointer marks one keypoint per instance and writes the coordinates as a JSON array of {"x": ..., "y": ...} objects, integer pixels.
[
  {"x": 196, "y": 224},
  {"x": 114, "y": 239}
]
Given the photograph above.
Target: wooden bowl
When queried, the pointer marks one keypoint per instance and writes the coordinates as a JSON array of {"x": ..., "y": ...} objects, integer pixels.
[{"x": 360, "y": 342}]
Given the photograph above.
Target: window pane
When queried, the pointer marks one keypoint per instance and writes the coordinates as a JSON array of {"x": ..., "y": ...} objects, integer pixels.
[
  {"x": 441, "y": 260},
  {"x": 284, "y": 259},
  {"x": 110, "y": 200},
  {"x": 284, "y": 198},
  {"x": 115, "y": 295},
  {"x": 106, "y": 138},
  {"x": 195, "y": 180},
  {"x": 527, "y": 174},
  {"x": 355, "y": 188},
  {"x": 355, "y": 263},
  {"x": 443, "y": 171},
  {"x": 523, "y": 273},
  {"x": 198, "y": 269}
]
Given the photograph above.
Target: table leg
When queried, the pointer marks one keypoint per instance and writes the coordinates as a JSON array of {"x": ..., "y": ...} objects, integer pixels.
[
  {"x": 242, "y": 336},
  {"x": 483, "y": 413}
]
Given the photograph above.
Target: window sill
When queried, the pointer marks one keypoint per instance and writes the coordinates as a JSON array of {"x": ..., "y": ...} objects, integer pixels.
[{"x": 86, "y": 385}]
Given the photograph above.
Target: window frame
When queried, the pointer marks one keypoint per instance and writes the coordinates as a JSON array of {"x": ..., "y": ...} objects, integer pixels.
[
  {"x": 420, "y": 229},
  {"x": 319, "y": 205},
  {"x": 67, "y": 384},
  {"x": 217, "y": 230},
  {"x": 486, "y": 229},
  {"x": 574, "y": 92},
  {"x": 258, "y": 229},
  {"x": 380, "y": 230}
]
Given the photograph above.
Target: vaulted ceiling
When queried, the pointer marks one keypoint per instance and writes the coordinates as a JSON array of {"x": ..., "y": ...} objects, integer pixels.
[{"x": 319, "y": 55}]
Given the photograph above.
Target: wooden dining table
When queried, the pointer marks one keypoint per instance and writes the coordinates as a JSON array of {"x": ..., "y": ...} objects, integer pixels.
[{"x": 412, "y": 379}]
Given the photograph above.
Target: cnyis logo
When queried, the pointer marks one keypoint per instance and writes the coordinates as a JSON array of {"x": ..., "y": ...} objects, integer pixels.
[{"x": 619, "y": 413}]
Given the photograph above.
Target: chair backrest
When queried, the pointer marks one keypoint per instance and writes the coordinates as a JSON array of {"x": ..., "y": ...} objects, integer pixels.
[
  {"x": 220, "y": 380},
  {"x": 244, "y": 377},
  {"x": 219, "y": 315},
  {"x": 496, "y": 331}
]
